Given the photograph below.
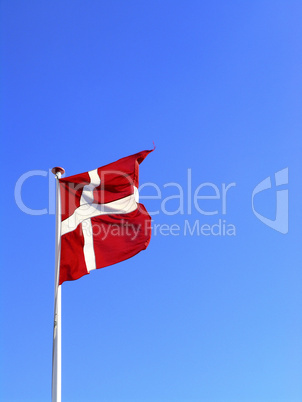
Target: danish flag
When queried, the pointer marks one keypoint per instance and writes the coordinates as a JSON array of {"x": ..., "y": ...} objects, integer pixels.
[{"x": 102, "y": 222}]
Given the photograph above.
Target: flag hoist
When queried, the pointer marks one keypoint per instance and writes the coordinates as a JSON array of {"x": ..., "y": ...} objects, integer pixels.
[{"x": 99, "y": 222}]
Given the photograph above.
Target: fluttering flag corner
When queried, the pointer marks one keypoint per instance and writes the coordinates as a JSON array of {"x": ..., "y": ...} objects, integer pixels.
[{"x": 102, "y": 221}]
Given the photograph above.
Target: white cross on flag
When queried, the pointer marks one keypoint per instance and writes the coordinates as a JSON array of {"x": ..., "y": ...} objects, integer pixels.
[{"x": 102, "y": 222}]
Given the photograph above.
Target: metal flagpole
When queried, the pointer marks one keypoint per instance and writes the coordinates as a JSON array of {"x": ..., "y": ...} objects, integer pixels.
[{"x": 56, "y": 349}]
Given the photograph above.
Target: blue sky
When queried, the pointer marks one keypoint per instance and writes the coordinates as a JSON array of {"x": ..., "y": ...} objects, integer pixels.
[{"x": 217, "y": 86}]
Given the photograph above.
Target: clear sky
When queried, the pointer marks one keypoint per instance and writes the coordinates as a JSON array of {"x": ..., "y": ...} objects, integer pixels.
[{"x": 198, "y": 316}]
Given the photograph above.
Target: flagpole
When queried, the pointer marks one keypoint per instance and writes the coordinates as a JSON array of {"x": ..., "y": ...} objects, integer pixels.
[{"x": 56, "y": 350}]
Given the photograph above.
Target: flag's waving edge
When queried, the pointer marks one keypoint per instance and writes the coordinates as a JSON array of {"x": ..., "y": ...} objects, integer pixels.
[{"x": 102, "y": 220}]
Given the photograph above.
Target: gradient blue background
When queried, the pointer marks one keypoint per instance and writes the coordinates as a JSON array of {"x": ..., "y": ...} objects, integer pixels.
[{"x": 218, "y": 86}]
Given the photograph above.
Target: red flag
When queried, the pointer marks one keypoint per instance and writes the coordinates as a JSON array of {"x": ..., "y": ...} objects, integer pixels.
[{"x": 102, "y": 221}]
